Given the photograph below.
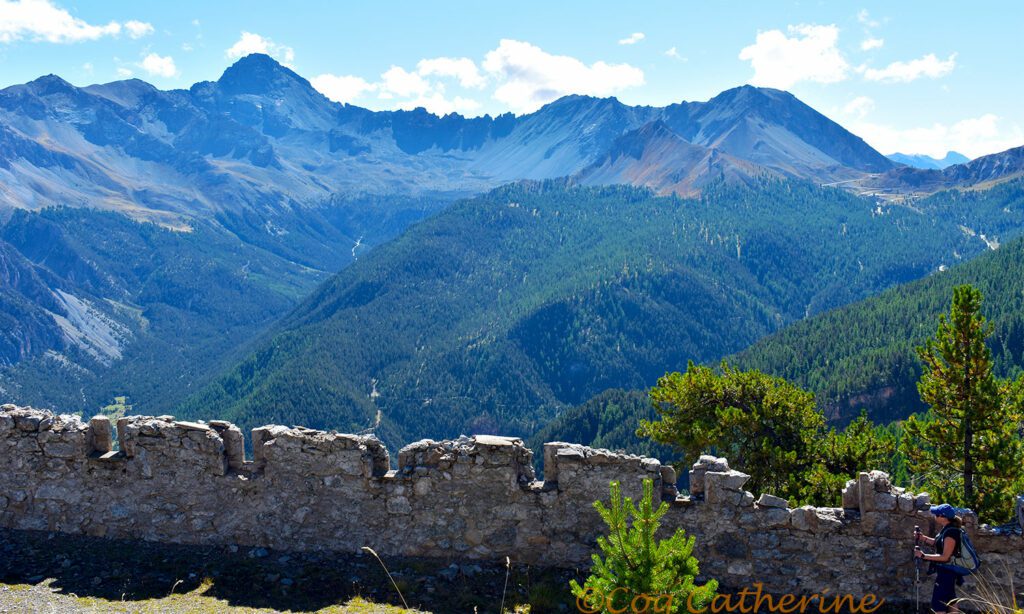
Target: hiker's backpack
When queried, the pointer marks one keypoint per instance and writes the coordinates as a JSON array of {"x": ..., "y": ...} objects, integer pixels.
[
  {"x": 965, "y": 559},
  {"x": 1020, "y": 511}
]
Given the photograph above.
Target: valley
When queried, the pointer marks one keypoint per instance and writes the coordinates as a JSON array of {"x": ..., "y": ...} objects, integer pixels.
[{"x": 249, "y": 249}]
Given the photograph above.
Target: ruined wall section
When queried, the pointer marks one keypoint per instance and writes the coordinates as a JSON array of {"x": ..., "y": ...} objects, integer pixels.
[{"x": 470, "y": 498}]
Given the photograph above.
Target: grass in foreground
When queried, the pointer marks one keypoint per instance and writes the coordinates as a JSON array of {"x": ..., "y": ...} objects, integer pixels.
[{"x": 43, "y": 598}]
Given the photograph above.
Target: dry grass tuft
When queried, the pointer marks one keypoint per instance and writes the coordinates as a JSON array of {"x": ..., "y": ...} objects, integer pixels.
[{"x": 992, "y": 595}]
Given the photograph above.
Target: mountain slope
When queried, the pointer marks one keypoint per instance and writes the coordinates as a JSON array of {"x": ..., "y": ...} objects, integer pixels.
[
  {"x": 656, "y": 157},
  {"x": 501, "y": 310},
  {"x": 862, "y": 355},
  {"x": 774, "y": 129},
  {"x": 262, "y": 140},
  {"x": 928, "y": 162},
  {"x": 980, "y": 173}
]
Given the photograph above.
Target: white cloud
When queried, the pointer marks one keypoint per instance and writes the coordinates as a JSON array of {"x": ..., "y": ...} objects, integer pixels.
[
  {"x": 632, "y": 39},
  {"x": 464, "y": 69},
  {"x": 342, "y": 88},
  {"x": 437, "y": 104},
  {"x": 41, "y": 20},
  {"x": 865, "y": 18},
  {"x": 870, "y": 43},
  {"x": 138, "y": 29},
  {"x": 809, "y": 53},
  {"x": 399, "y": 88},
  {"x": 524, "y": 77},
  {"x": 530, "y": 77},
  {"x": 87, "y": 68},
  {"x": 972, "y": 137},
  {"x": 398, "y": 82},
  {"x": 674, "y": 54},
  {"x": 905, "y": 72},
  {"x": 249, "y": 43},
  {"x": 124, "y": 73},
  {"x": 159, "y": 66},
  {"x": 859, "y": 106}
]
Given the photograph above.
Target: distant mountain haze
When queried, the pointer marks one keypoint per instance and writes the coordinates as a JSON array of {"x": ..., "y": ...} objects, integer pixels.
[{"x": 928, "y": 162}]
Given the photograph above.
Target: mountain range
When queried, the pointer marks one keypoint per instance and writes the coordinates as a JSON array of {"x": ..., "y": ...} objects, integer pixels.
[
  {"x": 183, "y": 247},
  {"x": 928, "y": 162}
]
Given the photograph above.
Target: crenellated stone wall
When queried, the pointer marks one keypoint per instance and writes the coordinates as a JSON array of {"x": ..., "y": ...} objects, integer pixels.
[{"x": 470, "y": 498}]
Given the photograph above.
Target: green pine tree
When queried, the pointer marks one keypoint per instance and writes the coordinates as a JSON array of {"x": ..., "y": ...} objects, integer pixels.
[
  {"x": 768, "y": 428},
  {"x": 967, "y": 450},
  {"x": 657, "y": 573}
]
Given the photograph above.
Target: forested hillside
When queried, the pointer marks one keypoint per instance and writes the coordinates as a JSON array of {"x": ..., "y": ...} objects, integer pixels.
[
  {"x": 94, "y": 305},
  {"x": 504, "y": 309},
  {"x": 862, "y": 356},
  {"x": 608, "y": 420}
]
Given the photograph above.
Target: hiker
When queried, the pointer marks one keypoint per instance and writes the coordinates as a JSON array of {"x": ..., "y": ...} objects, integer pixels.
[{"x": 947, "y": 544}]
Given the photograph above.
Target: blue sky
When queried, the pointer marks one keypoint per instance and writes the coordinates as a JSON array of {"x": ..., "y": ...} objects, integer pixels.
[{"x": 918, "y": 77}]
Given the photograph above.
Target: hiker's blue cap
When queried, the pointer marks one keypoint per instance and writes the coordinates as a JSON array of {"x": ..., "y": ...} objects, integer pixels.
[{"x": 945, "y": 510}]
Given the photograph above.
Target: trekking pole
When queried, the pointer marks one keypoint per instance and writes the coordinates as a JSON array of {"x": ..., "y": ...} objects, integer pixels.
[{"x": 917, "y": 571}]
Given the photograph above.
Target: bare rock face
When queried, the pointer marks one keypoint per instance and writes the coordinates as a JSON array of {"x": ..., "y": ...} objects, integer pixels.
[{"x": 468, "y": 498}]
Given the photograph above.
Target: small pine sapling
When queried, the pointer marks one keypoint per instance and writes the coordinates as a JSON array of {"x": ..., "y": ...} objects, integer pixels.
[{"x": 637, "y": 570}]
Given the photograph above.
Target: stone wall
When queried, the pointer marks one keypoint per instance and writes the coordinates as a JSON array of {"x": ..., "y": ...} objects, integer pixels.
[{"x": 471, "y": 498}]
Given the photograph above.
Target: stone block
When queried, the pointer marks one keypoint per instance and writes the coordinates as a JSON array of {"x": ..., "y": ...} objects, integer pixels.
[
  {"x": 725, "y": 480},
  {"x": 712, "y": 463},
  {"x": 234, "y": 446},
  {"x": 261, "y": 437},
  {"x": 804, "y": 518},
  {"x": 741, "y": 568},
  {"x": 773, "y": 517},
  {"x": 399, "y": 505},
  {"x": 766, "y": 500},
  {"x": 851, "y": 495},
  {"x": 905, "y": 503},
  {"x": 496, "y": 442},
  {"x": 697, "y": 482},
  {"x": 865, "y": 492},
  {"x": 28, "y": 422},
  {"x": 885, "y": 502},
  {"x": 668, "y": 474},
  {"x": 703, "y": 465},
  {"x": 876, "y": 523},
  {"x": 124, "y": 440},
  {"x": 922, "y": 501},
  {"x": 192, "y": 426},
  {"x": 100, "y": 434},
  {"x": 724, "y": 487},
  {"x": 829, "y": 519},
  {"x": 62, "y": 449},
  {"x": 881, "y": 482},
  {"x": 551, "y": 461}
]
